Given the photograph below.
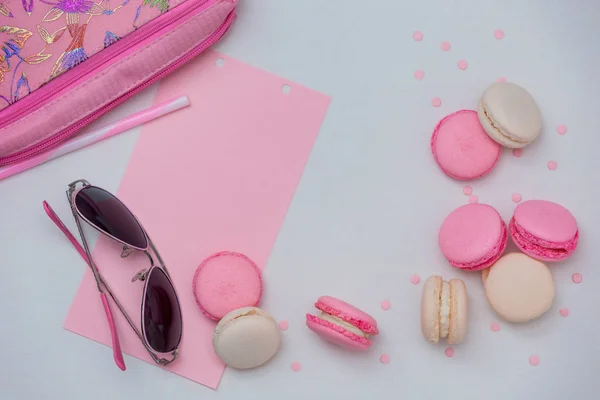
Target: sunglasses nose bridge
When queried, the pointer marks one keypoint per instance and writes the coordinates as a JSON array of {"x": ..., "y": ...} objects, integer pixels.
[
  {"x": 140, "y": 276},
  {"x": 126, "y": 251}
]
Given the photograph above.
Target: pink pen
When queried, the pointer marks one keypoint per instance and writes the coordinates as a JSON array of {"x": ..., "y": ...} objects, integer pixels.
[{"x": 97, "y": 135}]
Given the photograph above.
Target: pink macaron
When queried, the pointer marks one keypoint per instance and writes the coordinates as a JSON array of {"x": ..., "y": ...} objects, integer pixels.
[
  {"x": 224, "y": 282},
  {"x": 462, "y": 148},
  {"x": 473, "y": 237},
  {"x": 342, "y": 324},
  {"x": 544, "y": 230}
]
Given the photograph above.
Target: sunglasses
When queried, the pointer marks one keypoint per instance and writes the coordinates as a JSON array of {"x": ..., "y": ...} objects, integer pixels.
[{"x": 161, "y": 327}]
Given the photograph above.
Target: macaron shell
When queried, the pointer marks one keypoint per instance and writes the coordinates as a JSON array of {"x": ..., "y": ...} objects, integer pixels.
[
  {"x": 348, "y": 313},
  {"x": 430, "y": 309},
  {"x": 473, "y": 236},
  {"x": 546, "y": 220},
  {"x": 462, "y": 148},
  {"x": 512, "y": 111},
  {"x": 336, "y": 334},
  {"x": 226, "y": 281},
  {"x": 246, "y": 338},
  {"x": 458, "y": 312},
  {"x": 519, "y": 288}
]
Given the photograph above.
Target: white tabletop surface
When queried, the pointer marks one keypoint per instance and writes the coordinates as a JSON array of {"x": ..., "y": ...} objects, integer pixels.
[{"x": 365, "y": 216}]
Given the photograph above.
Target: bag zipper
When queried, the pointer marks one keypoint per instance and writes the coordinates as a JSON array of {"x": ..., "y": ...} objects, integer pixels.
[{"x": 140, "y": 35}]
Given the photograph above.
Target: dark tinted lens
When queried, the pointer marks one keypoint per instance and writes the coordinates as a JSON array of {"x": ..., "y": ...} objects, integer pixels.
[
  {"x": 108, "y": 214},
  {"x": 161, "y": 315}
]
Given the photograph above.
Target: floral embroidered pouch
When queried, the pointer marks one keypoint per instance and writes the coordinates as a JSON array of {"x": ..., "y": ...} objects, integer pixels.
[{"x": 64, "y": 63}]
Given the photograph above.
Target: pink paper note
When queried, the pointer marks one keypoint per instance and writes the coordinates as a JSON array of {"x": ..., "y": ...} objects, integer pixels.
[{"x": 219, "y": 175}]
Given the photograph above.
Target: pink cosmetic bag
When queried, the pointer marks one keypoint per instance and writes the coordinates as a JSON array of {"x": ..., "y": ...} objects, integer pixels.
[{"x": 64, "y": 63}]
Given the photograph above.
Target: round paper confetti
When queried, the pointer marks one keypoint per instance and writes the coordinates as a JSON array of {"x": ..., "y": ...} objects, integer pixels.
[
  {"x": 296, "y": 366},
  {"x": 385, "y": 359},
  {"x": 495, "y": 327},
  {"x": 498, "y": 34},
  {"x": 473, "y": 199},
  {"x": 462, "y": 64},
  {"x": 386, "y": 305},
  {"x": 419, "y": 74},
  {"x": 534, "y": 361},
  {"x": 436, "y": 102},
  {"x": 445, "y": 46},
  {"x": 577, "y": 278},
  {"x": 418, "y": 36},
  {"x": 415, "y": 279},
  {"x": 284, "y": 325},
  {"x": 518, "y": 152},
  {"x": 449, "y": 352},
  {"x": 561, "y": 129},
  {"x": 467, "y": 190},
  {"x": 501, "y": 79},
  {"x": 516, "y": 197},
  {"x": 552, "y": 165},
  {"x": 564, "y": 312}
]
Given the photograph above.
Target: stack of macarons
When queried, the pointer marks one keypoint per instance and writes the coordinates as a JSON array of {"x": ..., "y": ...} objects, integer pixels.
[
  {"x": 518, "y": 286},
  {"x": 227, "y": 287},
  {"x": 467, "y": 144}
]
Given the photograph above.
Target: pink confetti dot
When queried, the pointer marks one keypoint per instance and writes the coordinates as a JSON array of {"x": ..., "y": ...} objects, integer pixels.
[
  {"x": 445, "y": 46},
  {"x": 516, "y": 197},
  {"x": 467, "y": 190},
  {"x": 495, "y": 327},
  {"x": 436, "y": 102},
  {"x": 296, "y": 366},
  {"x": 552, "y": 165},
  {"x": 518, "y": 152},
  {"x": 284, "y": 325},
  {"x": 449, "y": 352},
  {"x": 463, "y": 64},
  {"x": 534, "y": 361},
  {"x": 501, "y": 79},
  {"x": 419, "y": 74},
  {"x": 564, "y": 312},
  {"x": 385, "y": 359},
  {"x": 577, "y": 278},
  {"x": 415, "y": 279},
  {"x": 473, "y": 199},
  {"x": 561, "y": 129},
  {"x": 386, "y": 305},
  {"x": 498, "y": 34},
  {"x": 418, "y": 36}
]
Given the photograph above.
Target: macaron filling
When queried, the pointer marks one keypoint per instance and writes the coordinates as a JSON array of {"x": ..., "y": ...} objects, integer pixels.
[
  {"x": 445, "y": 310},
  {"x": 497, "y": 129},
  {"x": 340, "y": 322},
  {"x": 362, "y": 338},
  {"x": 541, "y": 248},
  {"x": 490, "y": 257}
]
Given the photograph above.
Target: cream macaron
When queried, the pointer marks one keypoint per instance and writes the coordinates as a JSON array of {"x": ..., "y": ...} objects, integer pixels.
[
  {"x": 444, "y": 311},
  {"x": 509, "y": 115},
  {"x": 518, "y": 287},
  {"x": 246, "y": 338}
]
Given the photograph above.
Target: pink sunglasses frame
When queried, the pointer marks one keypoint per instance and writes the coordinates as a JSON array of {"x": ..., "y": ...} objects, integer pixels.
[{"x": 101, "y": 282}]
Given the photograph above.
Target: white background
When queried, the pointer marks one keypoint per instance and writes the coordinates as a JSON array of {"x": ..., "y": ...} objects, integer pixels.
[{"x": 365, "y": 216}]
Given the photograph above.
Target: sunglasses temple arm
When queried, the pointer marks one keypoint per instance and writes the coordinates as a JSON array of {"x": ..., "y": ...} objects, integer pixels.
[
  {"x": 52, "y": 215},
  {"x": 117, "y": 353}
]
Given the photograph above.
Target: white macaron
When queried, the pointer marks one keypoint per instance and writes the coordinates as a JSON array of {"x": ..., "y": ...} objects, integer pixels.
[
  {"x": 509, "y": 115},
  {"x": 246, "y": 338}
]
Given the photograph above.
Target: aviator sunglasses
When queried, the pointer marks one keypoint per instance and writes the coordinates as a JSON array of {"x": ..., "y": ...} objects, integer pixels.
[{"x": 161, "y": 323}]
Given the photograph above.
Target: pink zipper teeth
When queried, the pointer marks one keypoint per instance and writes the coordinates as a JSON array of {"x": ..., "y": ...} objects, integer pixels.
[
  {"x": 73, "y": 129},
  {"x": 62, "y": 82}
]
